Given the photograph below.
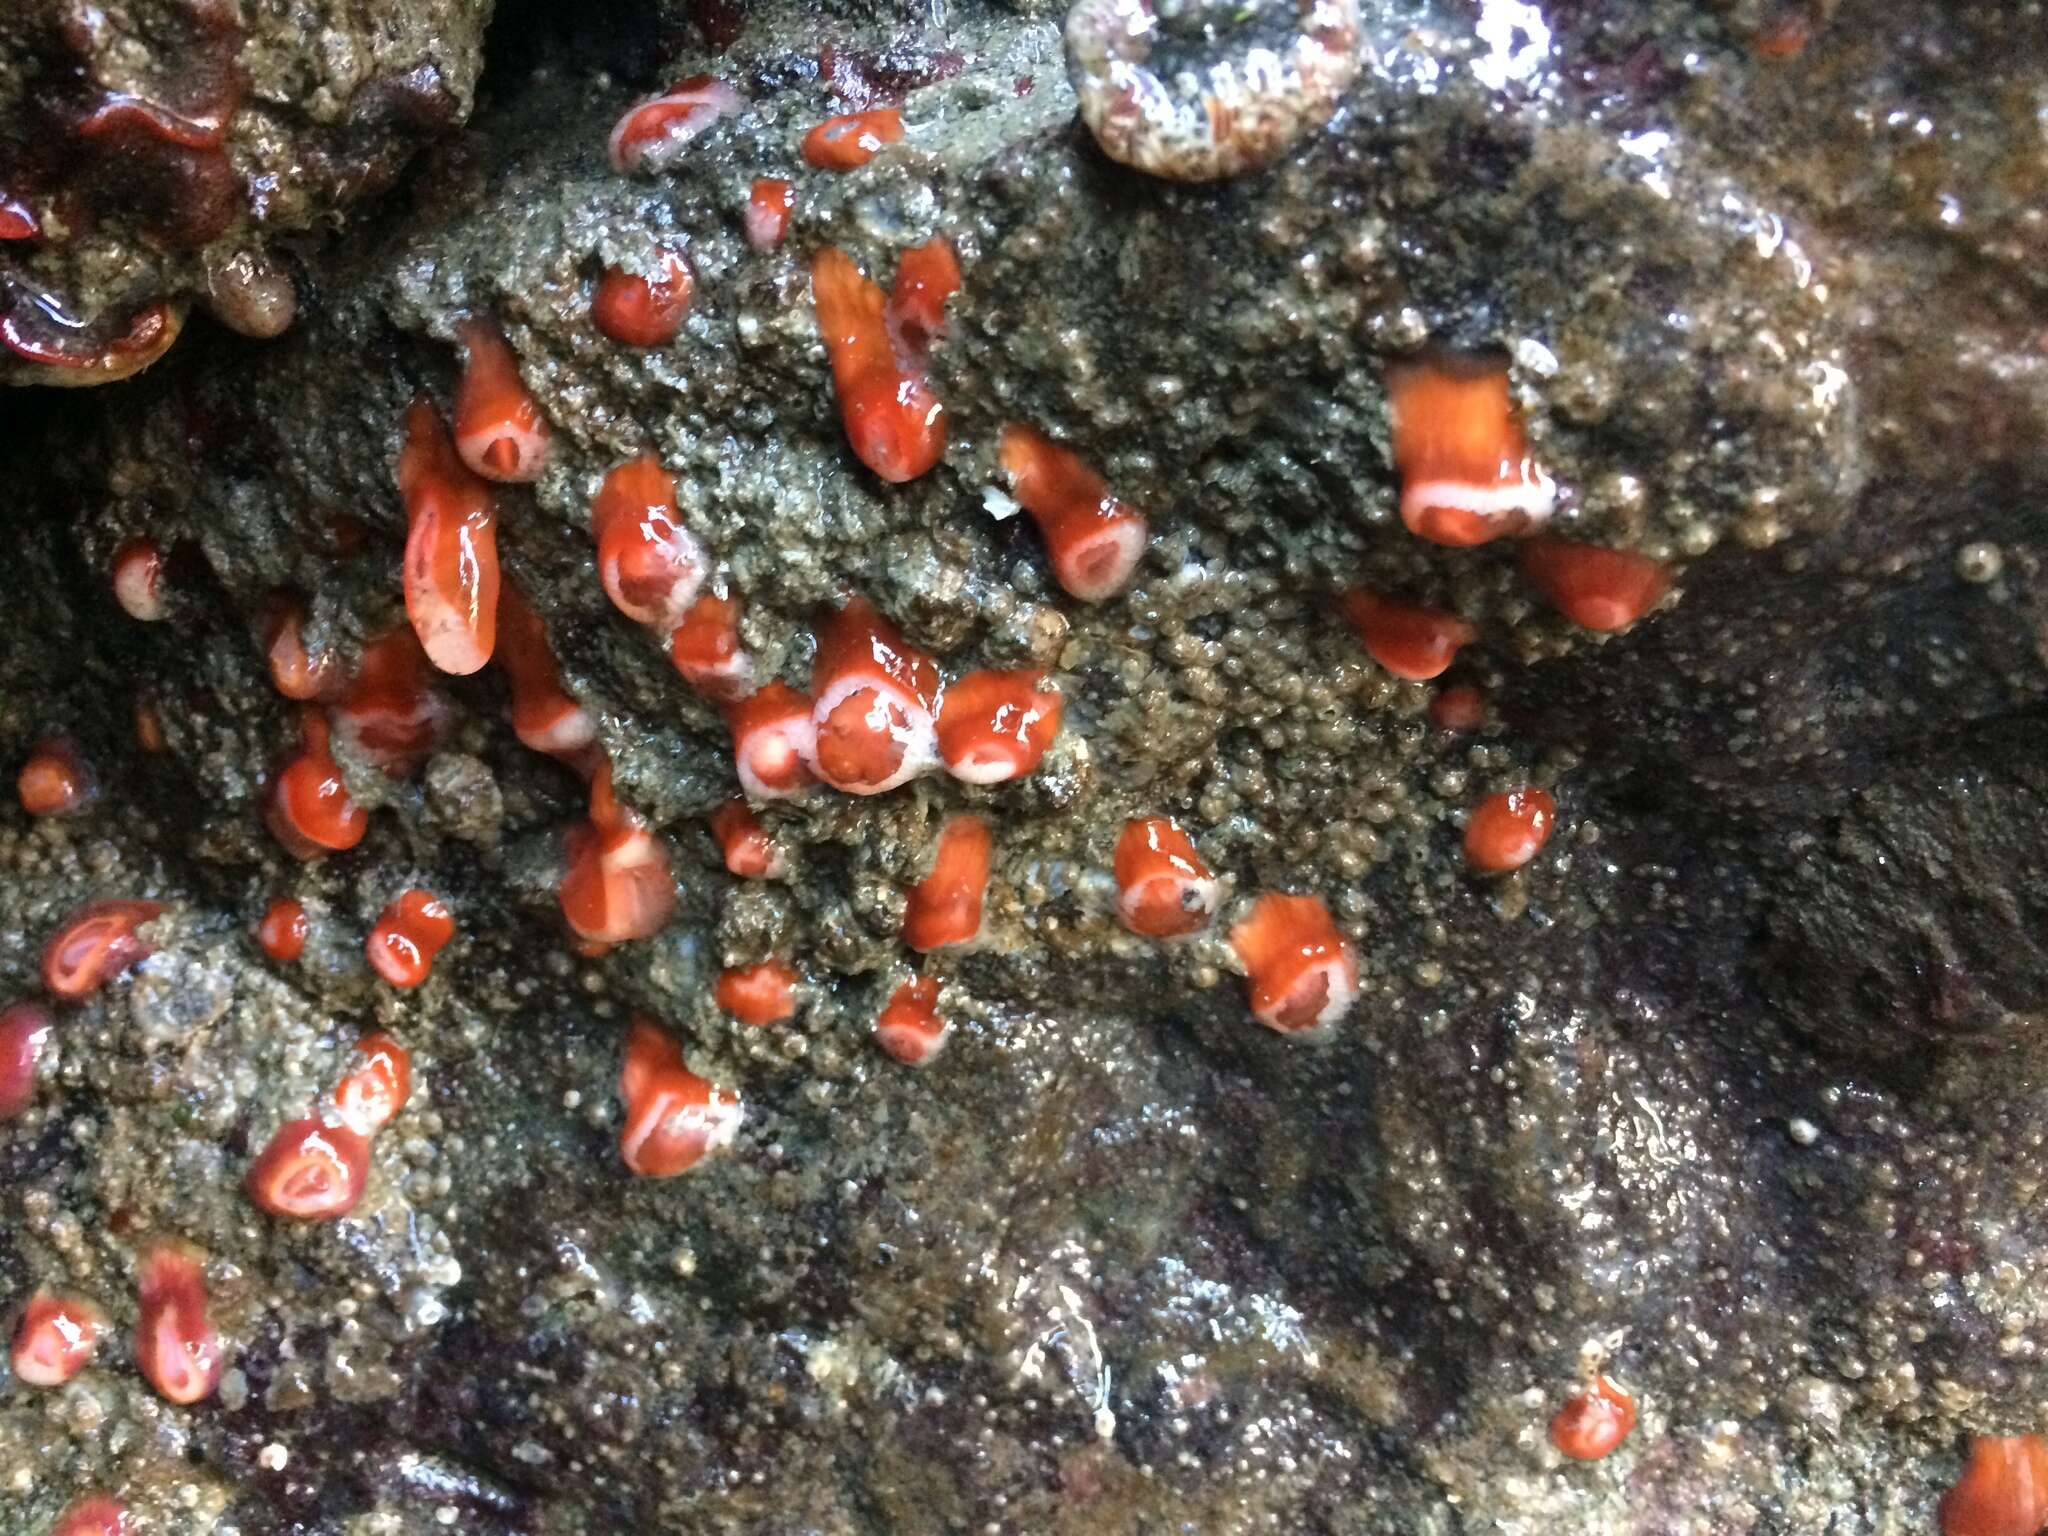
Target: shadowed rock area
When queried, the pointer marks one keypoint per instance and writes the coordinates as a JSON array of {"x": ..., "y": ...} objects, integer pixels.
[{"x": 1736, "y": 1093}]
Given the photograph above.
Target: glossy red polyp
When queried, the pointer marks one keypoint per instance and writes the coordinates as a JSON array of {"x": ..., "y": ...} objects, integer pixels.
[
  {"x": 1466, "y": 474},
  {"x": 451, "y": 548},
  {"x": 944, "y": 908},
  {"x": 295, "y": 672},
  {"x": 1163, "y": 887},
  {"x": 283, "y": 929},
  {"x": 744, "y": 843},
  {"x": 773, "y": 741},
  {"x": 1408, "y": 639},
  {"x": 373, "y": 1090},
  {"x": 873, "y": 700},
  {"x": 769, "y": 205},
  {"x": 852, "y": 139},
  {"x": 997, "y": 725},
  {"x": 650, "y": 565},
  {"x": 926, "y": 277},
  {"x": 894, "y": 423},
  {"x": 1094, "y": 541},
  {"x": 499, "y": 429},
  {"x": 311, "y": 1170},
  {"x": 412, "y": 929},
  {"x": 2003, "y": 1489},
  {"x": 638, "y": 311},
  {"x": 758, "y": 994},
  {"x": 55, "y": 1339},
  {"x": 54, "y": 781},
  {"x": 706, "y": 649},
  {"x": 909, "y": 1028},
  {"x": 1596, "y": 588},
  {"x": 24, "y": 1035},
  {"x": 1506, "y": 830},
  {"x": 309, "y": 810},
  {"x": 545, "y": 717},
  {"x": 674, "y": 1118},
  {"x": 617, "y": 886},
  {"x": 1300, "y": 972},
  {"x": 96, "y": 943},
  {"x": 654, "y": 132},
  {"x": 1593, "y": 1421},
  {"x": 175, "y": 1344},
  {"x": 390, "y": 712},
  {"x": 17, "y": 220}
]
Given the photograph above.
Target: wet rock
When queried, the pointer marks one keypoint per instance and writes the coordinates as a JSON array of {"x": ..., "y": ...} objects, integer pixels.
[{"x": 1735, "y": 1092}]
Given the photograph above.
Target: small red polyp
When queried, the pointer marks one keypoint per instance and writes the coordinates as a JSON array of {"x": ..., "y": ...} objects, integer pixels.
[
  {"x": 926, "y": 277},
  {"x": 283, "y": 929},
  {"x": 744, "y": 843},
  {"x": 55, "y": 780},
  {"x": 95, "y": 944},
  {"x": 852, "y": 139},
  {"x": 148, "y": 335},
  {"x": 138, "y": 575},
  {"x": 390, "y": 712},
  {"x": 638, "y": 311},
  {"x": 309, "y": 811},
  {"x": 295, "y": 671},
  {"x": 412, "y": 929},
  {"x": 706, "y": 649},
  {"x": 1505, "y": 831},
  {"x": 910, "y": 1029},
  {"x": 2003, "y": 1489},
  {"x": 944, "y": 908},
  {"x": 1459, "y": 708},
  {"x": 1093, "y": 540},
  {"x": 997, "y": 725},
  {"x": 647, "y": 560},
  {"x": 894, "y": 423},
  {"x": 1594, "y": 1421},
  {"x": 758, "y": 994},
  {"x": 499, "y": 429},
  {"x": 451, "y": 548},
  {"x": 874, "y": 700},
  {"x": 674, "y": 1118},
  {"x": 1163, "y": 887},
  {"x": 55, "y": 1338},
  {"x": 174, "y": 1339},
  {"x": 1466, "y": 473},
  {"x": 149, "y": 727},
  {"x": 310, "y": 1171},
  {"x": 1409, "y": 640},
  {"x": 654, "y": 132},
  {"x": 545, "y": 717},
  {"x": 17, "y": 220},
  {"x": 1596, "y": 588},
  {"x": 96, "y": 1514},
  {"x": 24, "y": 1033},
  {"x": 617, "y": 886},
  {"x": 774, "y": 741},
  {"x": 769, "y": 205},
  {"x": 1300, "y": 971},
  {"x": 373, "y": 1091}
]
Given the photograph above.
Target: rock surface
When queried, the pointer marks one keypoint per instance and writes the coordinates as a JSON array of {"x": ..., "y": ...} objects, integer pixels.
[{"x": 1740, "y": 1088}]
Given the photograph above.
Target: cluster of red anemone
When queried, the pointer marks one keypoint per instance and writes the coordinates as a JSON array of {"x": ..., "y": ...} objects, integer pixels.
[
  {"x": 314, "y": 1168},
  {"x": 878, "y": 714}
]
